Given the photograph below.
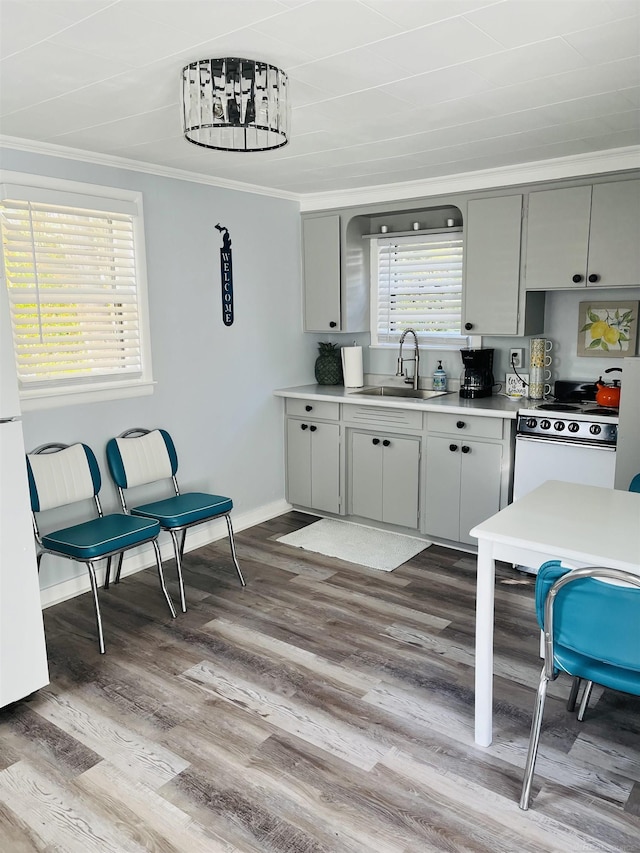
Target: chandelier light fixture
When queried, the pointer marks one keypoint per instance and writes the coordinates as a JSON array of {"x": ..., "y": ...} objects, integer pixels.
[{"x": 235, "y": 105}]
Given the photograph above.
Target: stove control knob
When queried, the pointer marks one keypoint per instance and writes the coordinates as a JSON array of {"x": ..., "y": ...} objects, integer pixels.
[
  {"x": 573, "y": 427},
  {"x": 595, "y": 429},
  {"x": 558, "y": 426},
  {"x": 545, "y": 424},
  {"x": 531, "y": 423}
]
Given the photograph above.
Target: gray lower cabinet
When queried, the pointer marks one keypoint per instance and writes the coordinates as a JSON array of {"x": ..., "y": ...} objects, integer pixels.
[
  {"x": 366, "y": 462},
  {"x": 463, "y": 486},
  {"x": 467, "y": 473},
  {"x": 384, "y": 477},
  {"x": 313, "y": 464}
]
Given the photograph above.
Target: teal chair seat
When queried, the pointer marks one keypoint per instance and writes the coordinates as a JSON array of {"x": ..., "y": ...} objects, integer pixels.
[
  {"x": 96, "y": 539},
  {"x": 184, "y": 510},
  {"x": 590, "y": 619}
]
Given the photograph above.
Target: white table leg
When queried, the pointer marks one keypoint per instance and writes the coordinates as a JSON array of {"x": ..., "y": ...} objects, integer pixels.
[{"x": 485, "y": 587}]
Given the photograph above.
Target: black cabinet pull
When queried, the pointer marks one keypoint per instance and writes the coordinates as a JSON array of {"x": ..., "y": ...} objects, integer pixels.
[
  {"x": 332, "y": 324},
  {"x": 453, "y": 447},
  {"x": 312, "y": 428},
  {"x": 386, "y": 442},
  {"x": 308, "y": 408},
  {"x": 460, "y": 424},
  {"x": 375, "y": 441},
  {"x": 593, "y": 278},
  {"x": 465, "y": 448},
  {"x": 577, "y": 278},
  {"x": 468, "y": 326},
  {"x": 304, "y": 426}
]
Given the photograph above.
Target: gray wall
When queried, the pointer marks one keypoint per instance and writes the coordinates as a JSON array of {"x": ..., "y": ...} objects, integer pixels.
[{"x": 214, "y": 383}]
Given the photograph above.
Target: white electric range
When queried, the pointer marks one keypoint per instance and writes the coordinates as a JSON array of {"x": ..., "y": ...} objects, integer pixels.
[{"x": 572, "y": 440}]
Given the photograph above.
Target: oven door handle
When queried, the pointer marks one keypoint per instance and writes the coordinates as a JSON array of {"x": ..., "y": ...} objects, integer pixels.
[{"x": 595, "y": 444}]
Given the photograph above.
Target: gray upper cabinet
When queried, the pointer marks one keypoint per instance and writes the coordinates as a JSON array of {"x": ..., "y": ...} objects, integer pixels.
[
  {"x": 614, "y": 242},
  {"x": 335, "y": 266},
  {"x": 493, "y": 301},
  {"x": 584, "y": 237},
  {"x": 321, "y": 271}
]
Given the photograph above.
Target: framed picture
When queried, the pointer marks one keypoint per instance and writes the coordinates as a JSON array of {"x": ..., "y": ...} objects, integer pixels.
[{"x": 607, "y": 329}]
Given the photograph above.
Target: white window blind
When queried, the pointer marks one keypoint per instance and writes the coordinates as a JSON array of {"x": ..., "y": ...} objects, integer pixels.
[
  {"x": 73, "y": 290},
  {"x": 419, "y": 285}
]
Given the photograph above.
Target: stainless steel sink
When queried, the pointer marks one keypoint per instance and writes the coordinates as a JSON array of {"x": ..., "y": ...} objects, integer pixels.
[{"x": 398, "y": 391}]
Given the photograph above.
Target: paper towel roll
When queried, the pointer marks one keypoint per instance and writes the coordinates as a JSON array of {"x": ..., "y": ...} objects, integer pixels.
[{"x": 352, "y": 367}]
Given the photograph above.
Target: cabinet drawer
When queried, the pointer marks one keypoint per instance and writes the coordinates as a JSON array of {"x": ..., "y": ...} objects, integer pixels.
[
  {"x": 313, "y": 409},
  {"x": 465, "y": 425},
  {"x": 375, "y": 416}
]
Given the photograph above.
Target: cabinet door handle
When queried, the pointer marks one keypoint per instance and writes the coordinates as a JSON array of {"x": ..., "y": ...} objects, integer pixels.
[
  {"x": 375, "y": 441},
  {"x": 453, "y": 447},
  {"x": 593, "y": 278},
  {"x": 312, "y": 428},
  {"x": 460, "y": 424},
  {"x": 577, "y": 278},
  {"x": 308, "y": 408},
  {"x": 332, "y": 324},
  {"x": 468, "y": 326},
  {"x": 386, "y": 442},
  {"x": 304, "y": 426},
  {"x": 465, "y": 448}
]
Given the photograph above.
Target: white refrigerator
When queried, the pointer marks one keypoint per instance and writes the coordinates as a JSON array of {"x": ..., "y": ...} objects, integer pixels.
[{"x": 23, "y": 654}]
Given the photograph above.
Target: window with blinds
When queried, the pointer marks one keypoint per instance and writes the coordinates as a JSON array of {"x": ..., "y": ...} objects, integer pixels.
[
  {"x": 71, "y": 273},
  {"x": 417, "y": 283}
]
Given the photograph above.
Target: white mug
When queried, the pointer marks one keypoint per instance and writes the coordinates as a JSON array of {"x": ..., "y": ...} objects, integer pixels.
[{"x": 547, "y": 360}]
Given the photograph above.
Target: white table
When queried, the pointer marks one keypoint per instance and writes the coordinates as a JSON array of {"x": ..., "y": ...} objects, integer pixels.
[{"x": 585, "y": 525}]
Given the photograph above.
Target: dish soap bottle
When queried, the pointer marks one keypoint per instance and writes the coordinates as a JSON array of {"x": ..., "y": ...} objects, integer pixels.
[{"x": 439, "y": 378}]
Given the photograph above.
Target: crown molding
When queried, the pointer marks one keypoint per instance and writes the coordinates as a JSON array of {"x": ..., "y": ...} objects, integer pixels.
[
  {"x": 115, "y": 162},
  {"x": 595, "y": 163},
  {"x": 580, "y": 165}
]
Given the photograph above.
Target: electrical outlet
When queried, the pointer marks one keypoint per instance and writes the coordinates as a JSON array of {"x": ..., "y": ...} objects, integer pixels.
[
  {"x": 516, "y": 386},
  {"x": 516, "y": 357}
]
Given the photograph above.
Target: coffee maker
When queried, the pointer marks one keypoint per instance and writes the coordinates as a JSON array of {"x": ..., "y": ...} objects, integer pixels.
[{"x": 477, "y": 376}]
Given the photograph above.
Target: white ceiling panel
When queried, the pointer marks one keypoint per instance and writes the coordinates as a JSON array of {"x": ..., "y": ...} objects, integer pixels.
[
  {"x": 531, "y": 62},
  {"x": 381, "y": 91},
  {"x": 617, "y": 40},
  {"x": 324, "y": 27},
  {"x": 438, "y": 46},
  {"x": 515, "y": 25}
]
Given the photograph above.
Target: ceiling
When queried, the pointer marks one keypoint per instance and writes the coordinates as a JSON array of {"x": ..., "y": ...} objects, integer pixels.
[{"x": 382, "y": 91}]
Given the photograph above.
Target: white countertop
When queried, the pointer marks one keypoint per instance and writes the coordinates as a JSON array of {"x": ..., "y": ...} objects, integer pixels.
[{"x": 497, "y": 406}]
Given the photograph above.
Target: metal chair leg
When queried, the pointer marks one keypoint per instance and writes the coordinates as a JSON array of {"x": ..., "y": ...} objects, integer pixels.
[
  {"x": 96, "y": 604},
  {"x": 161, "y": 578},
  {"x": 183, "y": 539},
  {"x": 573, "y": 695},
  {"x": 119, "y": 569},
  {"x": 176, "y": 550},
  {"x": 232, "y": 545},
  {"x": 107, "y": 574},
  {"x": 585, "y": 700},
  {"x": 534, "y": 740}
]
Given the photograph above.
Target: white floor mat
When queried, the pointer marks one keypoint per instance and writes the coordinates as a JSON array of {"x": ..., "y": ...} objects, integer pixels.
[{"x": 355, "y": 543}]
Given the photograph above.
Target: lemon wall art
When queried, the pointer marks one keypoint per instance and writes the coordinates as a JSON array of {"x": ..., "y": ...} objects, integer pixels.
[{"x": 607, "y": 329}]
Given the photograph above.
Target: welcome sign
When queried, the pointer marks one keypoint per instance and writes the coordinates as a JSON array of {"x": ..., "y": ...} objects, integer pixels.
[{"x": 226, "y": 275}]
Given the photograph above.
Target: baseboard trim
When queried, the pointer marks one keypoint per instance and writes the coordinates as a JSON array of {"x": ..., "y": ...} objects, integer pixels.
[{"x": 143, "y": 558}]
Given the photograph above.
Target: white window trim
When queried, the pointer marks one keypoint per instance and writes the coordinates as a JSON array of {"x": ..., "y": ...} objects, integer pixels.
[
  {"x": 100, "y": 390},
  {"x": 430, "y": 342}
]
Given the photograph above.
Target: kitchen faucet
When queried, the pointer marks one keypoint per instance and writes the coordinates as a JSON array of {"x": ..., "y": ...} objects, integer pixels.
[{"x": 416, "y": 358}]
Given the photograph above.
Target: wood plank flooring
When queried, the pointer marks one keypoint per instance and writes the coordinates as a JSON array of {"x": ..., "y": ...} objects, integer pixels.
[{"x": 326, "y": 707}]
